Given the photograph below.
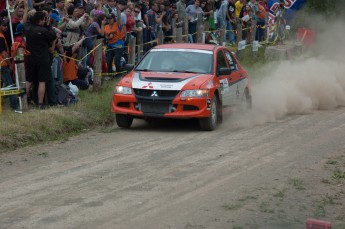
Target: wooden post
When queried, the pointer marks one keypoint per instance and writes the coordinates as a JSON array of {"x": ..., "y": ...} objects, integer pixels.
[
  {"x": 239, "y": 32},
  {"x": 185, "y": 30},
  {"x": 139, "y": 40},
  {"x": 199, "y": 29},
  {"x": 97, "y": 82},
  {"x": 160, "y": 35},
  {"x": 179, "y": 32},
  {"x": 253, "y": 31},
  {"x": 131, "y": 55},
  {"x": 19, "y": 59},
  {"x": 174, "y": 30}
]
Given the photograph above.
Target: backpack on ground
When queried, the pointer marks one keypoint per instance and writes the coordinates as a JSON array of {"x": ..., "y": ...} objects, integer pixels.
[{"x": 65, "y": 95}]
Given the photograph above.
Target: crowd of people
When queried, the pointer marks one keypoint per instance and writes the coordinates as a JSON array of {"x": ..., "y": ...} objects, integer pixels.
[{"x": 58, "y": 34}]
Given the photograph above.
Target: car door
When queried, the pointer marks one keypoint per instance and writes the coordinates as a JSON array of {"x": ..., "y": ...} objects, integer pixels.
[
  {"x": 237, "y": 79},
  {"x": 227, "y": 95}
]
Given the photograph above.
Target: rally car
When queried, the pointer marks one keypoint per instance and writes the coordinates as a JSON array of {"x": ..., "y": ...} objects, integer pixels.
[{"x": 182, "y": 81}]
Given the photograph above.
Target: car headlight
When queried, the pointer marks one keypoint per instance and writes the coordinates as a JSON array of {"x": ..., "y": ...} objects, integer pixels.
[
  {"x": 195, "y": 93},
  {"x": 123, "y": 90}
]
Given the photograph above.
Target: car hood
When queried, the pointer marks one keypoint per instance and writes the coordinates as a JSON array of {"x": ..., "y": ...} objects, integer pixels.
[{"x": 168, "y": 80}]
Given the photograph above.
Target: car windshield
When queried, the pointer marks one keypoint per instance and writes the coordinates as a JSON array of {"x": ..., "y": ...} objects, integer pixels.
[{"x": 177, "y": 60}]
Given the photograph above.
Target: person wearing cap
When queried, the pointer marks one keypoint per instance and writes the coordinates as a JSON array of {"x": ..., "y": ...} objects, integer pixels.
[
  {"x": 115, "y": 36},
  {"x": 6, "y": 63}
]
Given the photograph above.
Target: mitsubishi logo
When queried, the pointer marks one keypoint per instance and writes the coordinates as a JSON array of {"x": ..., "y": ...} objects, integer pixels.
[{"x": 154, "y": 94}]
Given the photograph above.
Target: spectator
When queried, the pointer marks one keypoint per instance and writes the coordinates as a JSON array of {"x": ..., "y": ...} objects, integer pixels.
[
  {"x": 39, "y": 39},
  {"x": 247, "y": 21},
  {"x": 181, "y": 10},
  {"x": 231, "y": 22},
  {"x": 111, "y": 7},
  {"x": 115, "y": 36},
  {"x": 222, "y": 14},
  {"x": 6, "y": 63},
  {"x": 154, "y": 20},
  {"x": 239, "y": 6},
  {"x": 260, "y": 32},
  {"x": 7, "y": 33},
  {"x": 73, "y": 30},
  {"x": 95, "y": 29},
  {"x": 99, "y": 7},
  {"x": 60, "y": 8},
  {"x": 280, "y": 22},
  {"x": 70, "y": 68},
  {"x": 37, "y": 4},
  {"x": 193, "y": 12}
]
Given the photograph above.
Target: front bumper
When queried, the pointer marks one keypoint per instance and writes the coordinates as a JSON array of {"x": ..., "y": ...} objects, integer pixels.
[{"x": 177, "y": 108}]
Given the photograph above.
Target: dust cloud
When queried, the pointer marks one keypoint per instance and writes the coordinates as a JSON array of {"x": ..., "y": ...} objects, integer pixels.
[{"x": 313, "y": 81}]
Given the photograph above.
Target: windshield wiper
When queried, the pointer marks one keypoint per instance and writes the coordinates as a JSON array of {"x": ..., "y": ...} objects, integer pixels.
[
  {"x": 143, "y": 70},
  {"x": 184, "y": 71}
]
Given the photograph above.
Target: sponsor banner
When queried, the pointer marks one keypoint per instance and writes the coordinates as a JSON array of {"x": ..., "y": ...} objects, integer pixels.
[{"x": 291, "y": 7}]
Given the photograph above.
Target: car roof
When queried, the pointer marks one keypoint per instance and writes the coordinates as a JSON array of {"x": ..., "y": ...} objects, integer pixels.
[{"x": 209, "y": 47}]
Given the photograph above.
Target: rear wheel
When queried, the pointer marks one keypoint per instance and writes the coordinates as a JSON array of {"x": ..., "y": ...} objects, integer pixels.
[
  {"x": 210, "y": 123},
  {"x": 124, "y": 121}
]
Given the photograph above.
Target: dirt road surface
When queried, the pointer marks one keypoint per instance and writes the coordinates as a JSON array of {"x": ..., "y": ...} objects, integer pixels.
[{"x": 274, "y": 175}]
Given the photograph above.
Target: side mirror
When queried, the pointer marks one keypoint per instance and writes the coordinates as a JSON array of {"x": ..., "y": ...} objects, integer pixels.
[
  {"x": 129, "y": 67},
  {"x": 224, "y": 71}
]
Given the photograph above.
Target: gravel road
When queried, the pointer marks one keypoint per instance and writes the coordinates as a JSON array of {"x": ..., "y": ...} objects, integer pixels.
[{"x": 173, "y": 176}]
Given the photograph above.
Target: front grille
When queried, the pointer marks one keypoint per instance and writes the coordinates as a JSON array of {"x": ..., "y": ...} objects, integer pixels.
[
  {"x": 155, "y": 108},
  {"x": 164, "y": 96}
]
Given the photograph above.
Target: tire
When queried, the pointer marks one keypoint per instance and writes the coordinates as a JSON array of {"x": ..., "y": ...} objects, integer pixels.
[
  {"x": 124, "y": 121},
  {"x": 210, "y": 123}
]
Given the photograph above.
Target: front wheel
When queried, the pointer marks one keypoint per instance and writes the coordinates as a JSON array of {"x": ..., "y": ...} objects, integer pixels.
[
  {"x": 124, "y": 121},
  {"x": 210, "y": 123}
]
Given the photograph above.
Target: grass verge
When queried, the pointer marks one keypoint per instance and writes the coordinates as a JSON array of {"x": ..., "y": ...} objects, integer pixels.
[{"x": 35, "y": 126}]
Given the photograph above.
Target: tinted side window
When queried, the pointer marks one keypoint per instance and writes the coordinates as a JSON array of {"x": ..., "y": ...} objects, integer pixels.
[
  {"x": 221, "y": 62},
  {"x": 232, "y": 62}
]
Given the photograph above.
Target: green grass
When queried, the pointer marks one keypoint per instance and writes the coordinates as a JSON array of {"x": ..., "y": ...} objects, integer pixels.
[
  {"x": 297, "y": 183},
  {"x": 35, "y": 126},
  {"x": 232, "y": 206}
]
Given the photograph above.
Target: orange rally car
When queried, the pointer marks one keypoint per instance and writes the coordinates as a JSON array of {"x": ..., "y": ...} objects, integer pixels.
[{"x": 182, "y": 81}]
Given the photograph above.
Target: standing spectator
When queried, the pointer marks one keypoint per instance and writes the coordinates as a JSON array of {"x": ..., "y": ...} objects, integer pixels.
[
  {"x": 207, "y": 7},
  {"x": 99, "y": 7},
  {"x": 181, "y": 10},
  {"x": 239, "y": 6},
  {"x": 154, "y": 20},
  {"x": 60, "y": 8},
  {"x": 231, "y": 22},
  {"x": 222, "y": 14},
  {"x": 260, "y": 32},
  {"x": 73, "y": 30},
  {"x": 280, "y": 22},
  {"x": 115, "y": 36},
  {"x": 193, "y": 12},
  {"x": 6, "y": 63},
  {"x": 95, "y": 29},
  {"x": 38, "y": 41},
  {"x": 247, "y": 21},
  {"x": 111, "y": 7}
]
